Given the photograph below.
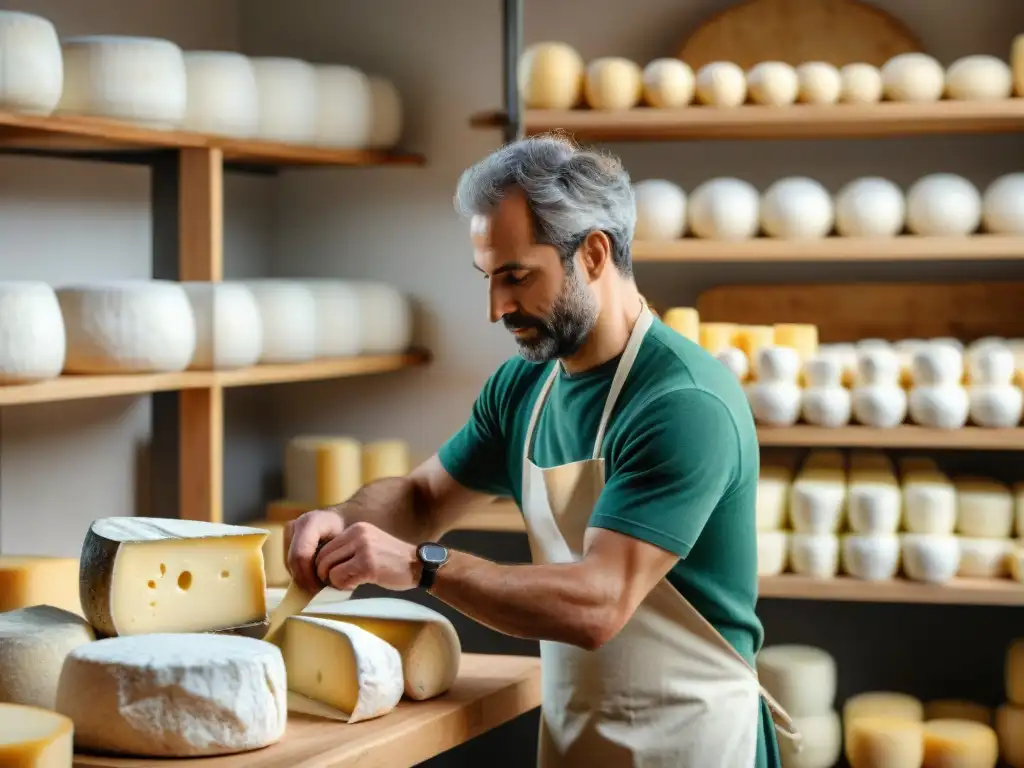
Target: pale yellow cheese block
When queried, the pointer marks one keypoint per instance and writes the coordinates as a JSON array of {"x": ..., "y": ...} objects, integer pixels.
[
  {"x": 30, "y": 580},
  {"x": 31, "y": 737},
  {"x": 322, "y": 470},
  {"x": 882, "y": 741},
  {"x": 385, "y": 458},
  {"x": 750, "y": 339},
  {"x": 960, "y": 744},
  {"x": 274, "y": 554},
  {"x": 283, "y": 510},
  {"x": 685, "y": 321},
  {"x": 715, "y": 337}
]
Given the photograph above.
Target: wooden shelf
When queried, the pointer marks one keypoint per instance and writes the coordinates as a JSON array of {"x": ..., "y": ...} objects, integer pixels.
[
  {"x": 844, "y": 588},
  {"x": 491, "y": 690},
  {"x": 968, "y": 438},
  {"x": 851, "y": 249},
  {"x": 57, "y": 133},
  {"x": 799, "y": 121},
  {"x": 86, "y": 387}
]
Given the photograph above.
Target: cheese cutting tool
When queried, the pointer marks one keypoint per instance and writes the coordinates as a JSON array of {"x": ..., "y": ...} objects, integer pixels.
[{"x": 293, "y": 603}]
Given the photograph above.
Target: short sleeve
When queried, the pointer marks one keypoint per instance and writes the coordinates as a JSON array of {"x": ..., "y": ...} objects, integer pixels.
[
  {"x": 677, "y": 460},
  {"x": 476, "y": 456}
]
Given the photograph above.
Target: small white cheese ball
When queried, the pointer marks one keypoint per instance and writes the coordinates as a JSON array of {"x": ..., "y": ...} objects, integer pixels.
[
  {"x": 860, "y": 84},
  {"x": 1002, "y": 205},
  {"x": 913, "y": 77},
  {"x": 660, "y": 210},
  {"x": 550, "y": 76},
  {"x": 979, "y": 78},
  {"x": 613, "y": 83},
  {"x": 668, "y": 83},
  {"x": 870, "y": 207},
  {"x": 773, "y": 83},
  {"x": 724, "y": 209},
  {"x": 721, "y": 84},
  {"x": 819, "y": 83},
  {"x": 797, "y": 208},
  {"x": 943, "y": 205}
]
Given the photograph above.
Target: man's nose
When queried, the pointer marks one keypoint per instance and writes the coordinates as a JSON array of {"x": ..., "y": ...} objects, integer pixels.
[{"x": 500, "y": 303}]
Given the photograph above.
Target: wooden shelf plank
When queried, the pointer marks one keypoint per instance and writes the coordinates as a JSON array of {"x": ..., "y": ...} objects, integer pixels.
[
  {"x": 799, "y": 121},
  {"x": 491, "y": 690},
  {"x": 852, "y": 249},
  {"x": 75, "y": 133},
  {"x": 908, "y": 436},
  {"x": 845, "y": 588},
  {"x": 74, "y": 387}
]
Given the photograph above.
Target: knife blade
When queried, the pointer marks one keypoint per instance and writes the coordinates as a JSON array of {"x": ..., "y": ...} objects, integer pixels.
[{"x": 293, "y": 603}]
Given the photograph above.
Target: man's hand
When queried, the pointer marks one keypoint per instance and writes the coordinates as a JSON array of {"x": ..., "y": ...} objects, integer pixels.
[
  {"x": 302, "y": 536},
  {"x": 364, "y": 554}
]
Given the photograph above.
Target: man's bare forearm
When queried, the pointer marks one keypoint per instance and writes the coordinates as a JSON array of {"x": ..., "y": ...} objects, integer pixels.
[
  {"x": 567, "y": 603},
  {"x": 393, "y": 504}
]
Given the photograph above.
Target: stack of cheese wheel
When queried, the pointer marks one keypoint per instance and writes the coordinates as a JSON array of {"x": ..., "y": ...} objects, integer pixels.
[
  {"x": 985, "y": 526},
  {"x": 168, "y": 600},
  {"x": 874, "y": 512},
  {"x": 817, "y": 514},
  {"x": 802, "y": 679},
  {"x": 33, "y": 64},
  {"x": 930, "y": 549},
  {"x": 1009, "y": 718},
  {"x": 772, "y": 509},
  {"x": 884, "y": 728}
]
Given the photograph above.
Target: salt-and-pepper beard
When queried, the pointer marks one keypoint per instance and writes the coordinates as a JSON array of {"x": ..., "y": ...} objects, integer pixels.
[{"x": 563, "y": 332}]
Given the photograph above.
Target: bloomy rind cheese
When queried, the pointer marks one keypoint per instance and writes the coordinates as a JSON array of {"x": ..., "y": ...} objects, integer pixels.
[
  {"x": 801, "y": 678},
  {"x": 102, "y": 550},
  {"x": 33, "y": 737}
]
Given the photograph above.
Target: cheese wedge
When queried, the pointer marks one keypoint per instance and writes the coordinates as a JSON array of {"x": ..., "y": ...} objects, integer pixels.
[
  {"x": 144, "y": 575},
  {"x": 31, "y": 737}
]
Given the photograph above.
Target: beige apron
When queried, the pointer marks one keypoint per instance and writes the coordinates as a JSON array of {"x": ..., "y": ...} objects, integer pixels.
[{"x": 668, "y": 691}]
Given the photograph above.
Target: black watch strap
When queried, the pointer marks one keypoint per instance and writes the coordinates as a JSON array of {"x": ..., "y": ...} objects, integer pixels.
[{"x": 431, "y": 556}]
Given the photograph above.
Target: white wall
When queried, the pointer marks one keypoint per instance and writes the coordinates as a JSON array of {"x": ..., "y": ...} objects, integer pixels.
[{"x": 64, "y": 464}]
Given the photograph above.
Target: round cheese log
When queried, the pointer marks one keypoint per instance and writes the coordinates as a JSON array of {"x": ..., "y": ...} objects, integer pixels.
[
  {"x": 913, "y": 77},
  {"x": 819, "y": 83},
  {"x": 802, "y": 678},
  {"x": 386, "y": 316},
  {"x": 287, "y": 99},
  {"x": 932, "y": 558},
  {"x": 387, "y": 114},
  {"x": 550, "y": 76},
  {"x": 613, "y": 83},
  {"x": 33, "y": 67},
  {"x": 871, "y": 557},
  {"x": 943, "y": 205},
  {"x": 141, "y": 575},
  {"x": 724, "y": 209},
  {"x": 127, "y": 326},
  {"x": 32, "y": 339},
  {"x": 979, "y": 78},
  {"x": 668, "y": 83},
  {"x": 229, "y": 333},
  {"x": 660, "y": 210},
  {"x": 288, "y": 319},
  {"x": 814, "y": 554},
  {"x": 33, "y": 644},
  {"x": 870, "y": 207},
  {"x": 33, "y": 736},
  {"x": 860, "y": 84},
  {"x": 175, "y": 695},
  {"x": 797, "y": 208},
  {"x": 344, "y": 117},
  {"x": 425, "y": 639},
  {"x": 1002, "y": 205},
  {"x": 929, "y": 502},
  {"x": 339, "y": 328},
  {"x": 721, "y": 84},
  {"x": 773, "y": 83},
  {"x": 817, "y": 500},
  {"x": 136, "y": 79},
  {"x": 222, "y": 98}
]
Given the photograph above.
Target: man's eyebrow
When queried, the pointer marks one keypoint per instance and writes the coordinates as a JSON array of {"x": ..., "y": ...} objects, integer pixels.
[{"x": 509, "y": 266}]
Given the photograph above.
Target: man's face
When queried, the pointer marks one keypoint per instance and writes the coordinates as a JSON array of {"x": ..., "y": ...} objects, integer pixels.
[{"x": 549, "y": 308}]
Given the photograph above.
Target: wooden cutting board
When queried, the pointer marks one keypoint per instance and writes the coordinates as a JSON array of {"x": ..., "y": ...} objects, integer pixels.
[{"x": 795, "y": 31}]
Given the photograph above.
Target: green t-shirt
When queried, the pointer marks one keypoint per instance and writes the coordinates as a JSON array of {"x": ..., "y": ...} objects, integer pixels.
[{"x": 681, "y": 459}]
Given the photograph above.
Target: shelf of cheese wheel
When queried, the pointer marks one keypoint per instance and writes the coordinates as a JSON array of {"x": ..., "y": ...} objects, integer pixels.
[
  {"x": 890, "y": 728},
  {"x": 110, "y": 93},
  {"x": 941, "y": 216},
  {"x": 126, "y": 337},
  {"x": 174, "y": 612},
  {"x": 612, "y": 98},
  {"x": 913, "y": 393}
]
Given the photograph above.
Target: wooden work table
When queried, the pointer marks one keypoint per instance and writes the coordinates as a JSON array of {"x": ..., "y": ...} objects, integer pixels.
[{"x": 491, "y": 690}]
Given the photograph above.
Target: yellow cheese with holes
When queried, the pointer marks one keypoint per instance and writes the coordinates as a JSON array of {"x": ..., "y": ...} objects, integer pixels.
[
  {"x": 751, "y": 338},
  {"x": 385, "y": 458},
  {"x": 959, "y": 744},
  {"x": 957, "y": 709},
  {"x": 322, "y": 471},
  {"x": 881, "y": 742},
  {"x": 715, "y": 337},
  {"x": 684, "y": 321},
  {"x": 28, "y": 580},
  {"x": 1010, "y": 730},
  {"x": 282, "y": 510},
  {"x": 274, "y": 554},
  {"x": 32, "y": 737},
  {"x": 142, "y": 575},
  {"x": 802, "y": 337},
  {"x": 341, "y": 666},
  {"x": 425, "y": 639}
]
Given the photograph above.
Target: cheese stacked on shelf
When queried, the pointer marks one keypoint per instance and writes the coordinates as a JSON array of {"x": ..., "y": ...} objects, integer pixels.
[
  {"x": 1009, "y": 718},
  {"x": 883, "y": 728},
  {"x": 817, "y": 513},
  {"x": 802, "y": 679},
  {"x": 772, "y": 509},
  {"x": 874, "y": 511}
]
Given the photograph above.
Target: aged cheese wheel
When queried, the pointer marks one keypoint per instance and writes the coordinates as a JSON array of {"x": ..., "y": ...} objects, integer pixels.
[
  {"x": 820, "y": 83},
  {"x": 939, "y": 406},
  {"x": 721, "y": 84},
  {"x": 797, "y": 208},
  {"x": 339, "y": 324},
  {"x": 943, "y": 205},
  {"x": 388, "y": 116},
  {"x": 668, "y": 83},
  {"x": 928, "y": 557},
  {"x": 870, "y": 207},
  {"x": 344, "y": 101},
  {"x": 860, "y": 84},
  {"x": 660, "y": 210},
  {"x": 550, "y": 76},
  {"x": 287, "y": 99},
  {"x": 802, "y": 678},
  {"x": 229, "y": 332},
  {"x": 33, "y": 68},
  {"x": 386, "y": 318},
  {"x": 724, "y": 209},
  {"x": 1002, "y": 205},
  {"x": 222, "y": 97},
  {"x": 773, "y": 83},
  {"x": 978, "y": 78},
  {"x": 913, "y": 77},
  {"x": 288, "y": 318},
  {"x": 613, "y": 83},
  {"x": 32, "y": 339}
]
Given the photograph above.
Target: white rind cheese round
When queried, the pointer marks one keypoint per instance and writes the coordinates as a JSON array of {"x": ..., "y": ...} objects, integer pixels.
[
  {"x": 772, "y": 552},
  {"x": 874, "y": 557},
  {"x": 874, "y": 503},
  {"x": 721, "y": 84},
  {"x": 937, "y": 364},
  {"x": 288, "y": 320},
  {"x": 612, "y": 83},
  {"x": 929, "y": 503},
  {"x": 860, "y": 84},
  {"x": 817, "y": 501},
  {"x": 814, "y": 554},
  {"x": 979, "y": 77},
  {"x": 32, "y": 339},
  {"x": 550, "y": 76},
  {"x": 287, "y": 100},
  {"x": 33, "y": 644},
  {"x": 985, "y": 558},
  {"x": 386, "y": 316},
  {"x": 820, "y": 745},
  {"x": 175, "y": 695},
  {"x": 985, "y": 508},
  {"x": 870, "y": 207},
  {"x": 943, "y": 406},
  {"x": 801, "y": 678},
  {"x": 136, "y": 79},
  {"x": 222, "y": 95},
  {"x": 820, "y": 82},
  {"x": 33, "y": 68},
  {"x": 387, "y": 114},
  {"x": 879, "y": 405},
  {"x": 913, "y": 77},
  {"x": 33, "y": 737},
  {"x": 344, "y": 118},
  {"x": 995, "y": 406},
  {"x": 339, "y": 324},
  {"x": 128, "y": 326},
  {"x": 1002, "y": 205},
  {"x": 932, "y": 558},
  {"x": 943, "y": 205},
  {"x": 773, "y": 83},
  {"x": 724, "y": 209},
  {"x": 660, "y": 210},
  {"x": 775, "y": 403},
  {"x": 229, "y": 333},
  {"x": 797, "y": 208},
  {"x": 668, "y": 83}
]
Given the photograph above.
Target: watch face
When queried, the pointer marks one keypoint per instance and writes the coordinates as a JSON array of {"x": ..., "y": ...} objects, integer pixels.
[{"x": 433, "y": 553}]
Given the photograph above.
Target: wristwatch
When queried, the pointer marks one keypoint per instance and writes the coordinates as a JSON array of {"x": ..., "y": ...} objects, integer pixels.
[{"x": 431, "y": 556}]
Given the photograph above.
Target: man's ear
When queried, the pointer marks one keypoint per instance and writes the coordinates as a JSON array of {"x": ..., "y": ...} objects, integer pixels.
[{"x": 595, "y": 255}]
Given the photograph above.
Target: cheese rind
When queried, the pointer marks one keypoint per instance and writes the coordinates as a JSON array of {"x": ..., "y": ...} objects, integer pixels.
[
  {"x": 175, "y": 695},
  {"x": 342, "y": 666},
  {"x": 426, "y": 639},
  {"x": 30, "y": 580},
  {"x": 33, "y": 644},
  {"x": 144, "y": 575},
  {"x": 960, "y": 743},
  {"x": 33, "y": 737}
]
